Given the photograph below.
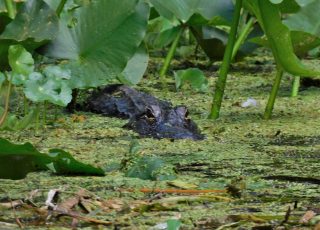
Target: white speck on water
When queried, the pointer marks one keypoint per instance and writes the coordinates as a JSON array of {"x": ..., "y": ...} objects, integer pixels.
[{"x": 250, "y": 102}]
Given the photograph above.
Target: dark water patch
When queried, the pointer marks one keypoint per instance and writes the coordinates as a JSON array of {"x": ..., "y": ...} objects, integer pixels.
[
  {"x": 253, "y": 68},
  {"x": 297, "y": 153},
  {"x": 296, "y": 179},
  {"x": 310, "y": 82},
  {"x": 193, "y": 167},
  {"x": 292, "y": 140}
]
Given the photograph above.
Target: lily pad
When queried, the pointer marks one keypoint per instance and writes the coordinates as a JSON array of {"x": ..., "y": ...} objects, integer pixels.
[{"x": 16, "y": 161}]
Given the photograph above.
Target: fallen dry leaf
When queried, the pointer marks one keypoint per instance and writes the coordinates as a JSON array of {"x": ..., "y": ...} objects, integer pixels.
[
  {"x": 12, "y": 204},
  {"x": 307, "y": 217},
  {"x": 78, "y": 118}
]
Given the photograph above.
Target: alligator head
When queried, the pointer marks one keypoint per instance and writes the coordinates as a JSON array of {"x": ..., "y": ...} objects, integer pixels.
[
  {"x": 148, "y": 116},
  {"x": 172, "y": 123}
]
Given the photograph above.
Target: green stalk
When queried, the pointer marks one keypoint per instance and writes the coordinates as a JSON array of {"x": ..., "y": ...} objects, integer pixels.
[
  {"x": 37, "y": 117},
  {"x": 6, "y": 105},
  {"x": 273, "y": 94},
  {"x": 242, "y": 36},
  {"x": 55, "y": 113},
  {"x": 10, "y": 8},
  {"x": 44, "y": 118},
  {"x": 25, "y": 105},
  {"x": 170, "y": 55},
  {"x": 295, "y": 86},
  {"x": 60, "y": 7},
  {"x": 221, "y": 83}
]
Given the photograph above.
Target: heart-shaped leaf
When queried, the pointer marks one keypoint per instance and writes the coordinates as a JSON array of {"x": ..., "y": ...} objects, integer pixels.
[
  {"x": 20, "y": 60},
  {"x": 194, "y": 77},
  {"x": 12, "y": 123},
  {"x": 151, "y": 168},
  {"x": 51, "y": 86},
  {"x": 105, "y": 36}
]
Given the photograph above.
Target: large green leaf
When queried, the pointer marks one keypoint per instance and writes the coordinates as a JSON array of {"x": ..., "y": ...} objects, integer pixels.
[
  {"x": 34, "y": 24},
  {"x": 305, "y": 2},
  {"x": 289, "y": 6},
  {"x": 161, "y": 32},
  {"x": 35, "y": 20},
  {"x": 184, "y": 9},
  {"x": 217, "y": 11},
  {"x": 279, "y": 38},
  {"x": 105, "y": 36},
  {"x": 306, "y": 20},
  {"x": 136, "y": 67},
  {"x": 16, "y": 161},
  {"x": 209, "y": 37}
]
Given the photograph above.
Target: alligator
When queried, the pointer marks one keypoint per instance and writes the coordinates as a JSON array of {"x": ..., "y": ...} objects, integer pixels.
[{"x": 148, "y": 116}]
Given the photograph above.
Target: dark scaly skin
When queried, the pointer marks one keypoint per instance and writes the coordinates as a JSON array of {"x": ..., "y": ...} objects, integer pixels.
[{"x": 148, "y": 116}]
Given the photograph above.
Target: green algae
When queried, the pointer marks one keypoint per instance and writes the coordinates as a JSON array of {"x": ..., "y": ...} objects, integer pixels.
[{"x": 238, "y": 145}]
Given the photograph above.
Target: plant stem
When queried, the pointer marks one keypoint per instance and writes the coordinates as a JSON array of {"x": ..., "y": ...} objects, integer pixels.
[
  {"x": 37, "y": 117},
  {"x": 10, "y": 8},
  {"x": 242, "y": 36},
  {"x": 60, "y": 7},
  {"x": 44, "y": 119},
  {"x": 55, "y": 113},
  {"x": 6, "y": 105},
  {"x": 25, "y": 105},
  {"x": 170, "y": 55},
  {"x": 224, "y": 69},
  {"x": 295, "y": 86},
  {"x": 273, "y": 94}
]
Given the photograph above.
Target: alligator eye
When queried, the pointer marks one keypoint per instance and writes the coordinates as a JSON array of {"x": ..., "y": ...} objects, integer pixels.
[
  {"x": 182, "y": 112},
  {"x": 187, "y": 114},
  {"x": 149, "y": 114}
]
